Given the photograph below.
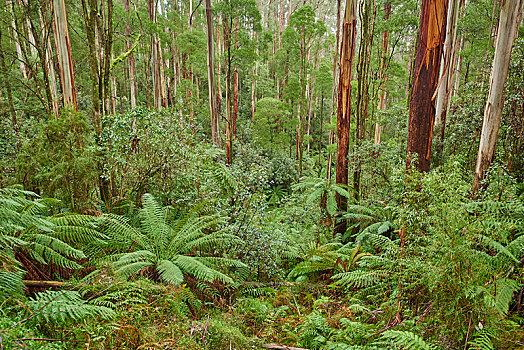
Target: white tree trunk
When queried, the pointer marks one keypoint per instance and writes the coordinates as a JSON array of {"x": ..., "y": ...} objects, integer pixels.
[
  {"x": 63, "y": 49},
  {"x": 507, "y": 32},
  {"x": 448, "y": 62},
  {"x": 49, "y": 65},
  {"x": 19, "y": 53}
]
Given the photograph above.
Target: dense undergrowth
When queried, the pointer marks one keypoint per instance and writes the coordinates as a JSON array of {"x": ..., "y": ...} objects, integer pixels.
[{"x": 192, "y": 254}]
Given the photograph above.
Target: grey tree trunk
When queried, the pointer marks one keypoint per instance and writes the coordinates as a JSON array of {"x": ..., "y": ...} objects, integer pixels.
[
  {"x": 213, "y": 110},
  {"x": 448, "y": 62},
  {"x": 510, "y": 16},
  {"x": 65, "y": 58}
]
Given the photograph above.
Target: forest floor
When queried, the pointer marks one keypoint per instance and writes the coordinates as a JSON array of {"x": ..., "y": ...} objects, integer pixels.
[{"x": 154, "y": 316}]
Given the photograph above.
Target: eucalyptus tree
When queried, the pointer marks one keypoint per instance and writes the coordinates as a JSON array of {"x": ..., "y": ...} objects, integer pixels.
[
  {"x": 239, "y": 17},
  {"x": 431, "y": 37},
  {"x": 347, "y": 53},
  {"x": 213, "y": 108},
  {"x": 65, "y": 58},
  {"x": 510, "y": 16}
]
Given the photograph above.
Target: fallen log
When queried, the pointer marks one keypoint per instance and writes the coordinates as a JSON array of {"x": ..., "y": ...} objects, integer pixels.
[
  {"x": 281, "y": 347},
  {"x": 42, "y": 284}
]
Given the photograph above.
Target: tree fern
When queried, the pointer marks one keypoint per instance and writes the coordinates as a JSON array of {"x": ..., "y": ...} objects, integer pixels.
[
  {"x": 223, "y": 177},
  {"x": 167, "y": 245},
  {"x": 318, "y": 189},
  {"x": 330, "y": 256},
  {"x": 26, "y": 227}
]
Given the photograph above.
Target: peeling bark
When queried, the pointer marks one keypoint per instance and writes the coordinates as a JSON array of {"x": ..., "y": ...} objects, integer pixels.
[
  {"x": 347, "y": 53},
  {"x": 65, "y": 58},
  {"x": 430, "y": 45}
]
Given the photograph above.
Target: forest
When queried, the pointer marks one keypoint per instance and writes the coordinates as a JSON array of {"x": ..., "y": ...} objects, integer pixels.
[{"x": 262, "y": 174}]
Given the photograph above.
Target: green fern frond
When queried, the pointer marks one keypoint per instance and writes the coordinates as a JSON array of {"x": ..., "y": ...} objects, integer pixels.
[
  {"x": 359, "y": 278},
  {"x": 407, "y": 340},
  {"x": 65, "y": 307},
  {"x": 481, "y": 340},
  {"x": 170, "y": 272}
]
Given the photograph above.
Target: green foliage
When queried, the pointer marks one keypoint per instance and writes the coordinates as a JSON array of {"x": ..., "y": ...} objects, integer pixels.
[
  {"x": 149, "y": 151},
  {"x": 406, "y": 340},
  {"x": 481, "y": 340},
  {"x": 331, "y": 257},
  {"x": 271, "y": 123},
  {"x": 322, "y": 191},
  {"x": 315, "y": 331},
  {"x": 167, "y": 245},
  {"x": 60, "y": 161},
  {"x": 65, "y": 307},
  {"x": 283, "y": 171},
  {"x": 223, "y": 336},
  {"x": 29, "y": 229}
]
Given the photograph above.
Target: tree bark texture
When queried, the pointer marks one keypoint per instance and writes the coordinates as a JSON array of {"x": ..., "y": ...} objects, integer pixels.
[
  {"x": 510, "y": 16},
  {"x": 159, "y": 90},
  {"x": 347, "y": 54},
  {"x": 48, "y": 65},
  {"x": 65, "y": 58},
  {"x": 334, "y": 90},
  {"x": 447, "y": 64},
  {"x": 213, "y": 109},
  {"x": 430, "y": 43},
  {"x": 367, "y": 20},
  {"x": 382, "y": 93},
  {"x": 131, "y": 61}
]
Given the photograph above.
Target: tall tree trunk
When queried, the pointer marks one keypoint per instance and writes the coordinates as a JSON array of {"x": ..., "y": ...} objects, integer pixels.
[
  {"x": 229, "y": 119},
  {"x": 49, "y": 67},
  {"x": 65, "y": 58},
  {"x": 430, "y": 44},
  {"x": 213, "y": 110},
  {"x": 219, "y": 69},
  {"x": 367, "y": 19},
  {"x": 6, "y": 83},
  {"x": 31, "y": 40},
  {"x": 334, "y": 93},
  {"x": 347, "y": 54},
  {"x": 447, "y": 64},
  {"x": 510, "y": 16},
  {"x": 382, "y": 93},
  {"x": 131, "y": 60},
  {"x": 235, "y": 86},
  {"x": 18, "y": 44},
  {"x": 253, "y": 93},
  {"x": 280, "y": 23},
  {"x": 458, "y": 68},
  {"x": 235, "y": 101},
  {"x": 159, "y": 93}
]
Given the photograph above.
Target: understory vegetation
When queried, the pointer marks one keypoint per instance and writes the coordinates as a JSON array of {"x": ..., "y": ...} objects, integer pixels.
[
  {"x": 261, "y": 174},
  {"x": 243, "y": 255}
]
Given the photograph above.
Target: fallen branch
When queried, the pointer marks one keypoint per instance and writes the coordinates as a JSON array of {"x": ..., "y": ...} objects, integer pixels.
[
  {"x": 50, "y": 339},
  {"x": 281, "y": 347},
  {"x": 44, "y": 284}
]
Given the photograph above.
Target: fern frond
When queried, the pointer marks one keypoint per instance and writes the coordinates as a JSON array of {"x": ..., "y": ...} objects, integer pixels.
[
  {"x": 407, "y": 340},
  {"x": 170, "y": 272},
  {"x": 481, "y": 340},
  {"x": 65, "y": 307}
]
